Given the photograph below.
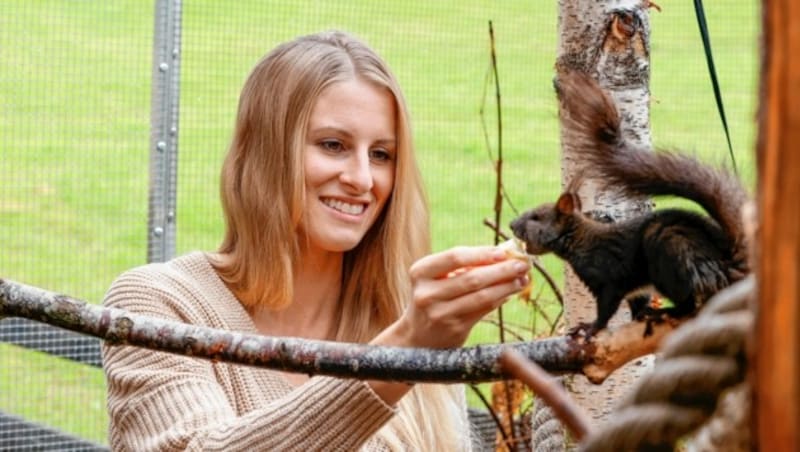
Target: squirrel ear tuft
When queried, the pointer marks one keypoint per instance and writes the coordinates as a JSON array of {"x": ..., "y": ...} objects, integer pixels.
[{"x": 568, "y": 203}]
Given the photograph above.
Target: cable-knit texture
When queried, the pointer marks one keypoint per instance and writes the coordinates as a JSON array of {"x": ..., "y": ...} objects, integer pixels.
[{"x": 162, "y": 401}]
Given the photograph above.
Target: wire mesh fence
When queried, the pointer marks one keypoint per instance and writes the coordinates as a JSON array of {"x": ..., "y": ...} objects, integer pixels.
[{"x": 82, "y": 115}]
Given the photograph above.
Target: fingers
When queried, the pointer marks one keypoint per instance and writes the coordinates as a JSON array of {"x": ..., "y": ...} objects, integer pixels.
[
  {"x": 440, "y": 264},
  {"x": 454, "y": 289},
  {"x": 485, "y": 297},
  {"x": 491, "y": 282},
  {"x": 442, "y": 323}
]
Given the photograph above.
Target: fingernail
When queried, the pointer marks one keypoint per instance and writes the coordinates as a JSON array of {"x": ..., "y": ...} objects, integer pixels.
[{"x": 522, "y": 281}]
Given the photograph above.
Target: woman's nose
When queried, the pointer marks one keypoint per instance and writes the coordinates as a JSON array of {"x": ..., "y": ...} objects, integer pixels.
[{"x": 358, "y": 173}]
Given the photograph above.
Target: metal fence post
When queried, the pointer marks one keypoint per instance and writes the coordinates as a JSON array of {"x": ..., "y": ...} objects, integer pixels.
[{"x": 164, "y": 131}]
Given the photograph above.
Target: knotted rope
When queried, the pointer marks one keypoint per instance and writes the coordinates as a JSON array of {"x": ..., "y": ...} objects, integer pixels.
[{"x": 701, "y": 368}]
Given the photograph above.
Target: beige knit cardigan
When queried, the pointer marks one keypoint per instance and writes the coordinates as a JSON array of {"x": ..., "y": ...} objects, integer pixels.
[{"x": 160, "y": 401}]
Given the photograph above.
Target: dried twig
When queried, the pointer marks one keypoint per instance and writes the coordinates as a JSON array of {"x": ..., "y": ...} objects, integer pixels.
[
  {"x": 543, "y": 385},
  {"x": 540, "y": 268},
  {"x": 498, "y": 197},
  {"x": 476, "y": 390},
  {"x": 506, "y": 324}
]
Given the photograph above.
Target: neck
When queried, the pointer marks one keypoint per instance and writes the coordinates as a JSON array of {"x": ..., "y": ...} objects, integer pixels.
[{"x": 313, "y": 311}]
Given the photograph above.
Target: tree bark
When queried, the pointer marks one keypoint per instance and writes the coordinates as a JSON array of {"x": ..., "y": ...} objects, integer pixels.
[
  {"x": 313, "y": 357},
  {"x": 608, "y": 40}
]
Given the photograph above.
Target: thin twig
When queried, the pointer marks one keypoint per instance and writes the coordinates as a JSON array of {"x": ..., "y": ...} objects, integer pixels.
[
  {"x": 492, "y": 413},
  {"x": 540, "y": 268},
  {"x": 496, "y": 323},
  {"x": 536, "y": 303},
  {"x": 498, "y": 201},
  {"x": 544, "y": 386}
]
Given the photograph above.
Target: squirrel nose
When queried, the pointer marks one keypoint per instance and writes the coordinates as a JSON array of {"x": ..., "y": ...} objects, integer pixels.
[{"x": 518, "y": 226}]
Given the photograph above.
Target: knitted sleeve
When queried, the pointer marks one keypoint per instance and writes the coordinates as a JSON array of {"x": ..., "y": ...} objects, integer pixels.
[{"x": 161, "y": 401}]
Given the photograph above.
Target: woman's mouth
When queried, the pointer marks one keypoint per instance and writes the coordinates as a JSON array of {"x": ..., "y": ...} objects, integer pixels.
[{"x": 345, "y": 207}]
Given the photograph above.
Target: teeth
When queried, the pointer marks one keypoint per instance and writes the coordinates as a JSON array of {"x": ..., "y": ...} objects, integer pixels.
[{"x": 351, "y": 209}]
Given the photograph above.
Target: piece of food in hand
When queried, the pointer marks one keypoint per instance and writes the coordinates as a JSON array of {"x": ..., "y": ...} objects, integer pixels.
[{"x": 515, "y": 249}]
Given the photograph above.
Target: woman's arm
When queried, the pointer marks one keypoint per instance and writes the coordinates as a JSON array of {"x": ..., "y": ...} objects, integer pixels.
[{"x": 161, "y": 401}]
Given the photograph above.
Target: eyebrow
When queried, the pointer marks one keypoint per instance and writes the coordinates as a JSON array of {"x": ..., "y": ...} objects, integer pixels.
[
  {"x": 329, "y": 129},
  {"x": 386, "y": 142}
]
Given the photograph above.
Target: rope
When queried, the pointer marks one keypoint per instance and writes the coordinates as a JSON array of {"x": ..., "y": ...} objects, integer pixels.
[
  {"x": 700, "y": 374},
  {"x": 548, "y": 433}
]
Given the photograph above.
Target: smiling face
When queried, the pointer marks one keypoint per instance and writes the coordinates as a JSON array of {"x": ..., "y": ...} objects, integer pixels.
[{"x": 349, "y": 164}]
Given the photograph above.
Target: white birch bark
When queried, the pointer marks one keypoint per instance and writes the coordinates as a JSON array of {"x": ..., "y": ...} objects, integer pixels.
[{"x": 608, "y": 39}]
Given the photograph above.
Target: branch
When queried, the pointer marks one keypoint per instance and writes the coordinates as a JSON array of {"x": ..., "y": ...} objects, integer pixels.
[
  {"x": 313, "y": 357},
  {"x": 498, "y": 195},
  {"x": 626, "y": 343},
  {"x": 498, "y": 200},
  {"x": 543, "y": 385},
  {"x": 506, "y": 326}
]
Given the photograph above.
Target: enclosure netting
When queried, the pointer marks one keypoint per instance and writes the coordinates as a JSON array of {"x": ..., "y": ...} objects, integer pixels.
[{"x": 75, "y": 106}]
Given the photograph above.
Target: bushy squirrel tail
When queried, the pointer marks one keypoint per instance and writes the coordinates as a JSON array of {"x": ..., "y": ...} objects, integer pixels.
[{"x": 590, "y": 120}]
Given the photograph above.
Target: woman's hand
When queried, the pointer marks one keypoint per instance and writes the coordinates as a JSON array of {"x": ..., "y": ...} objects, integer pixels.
[{"x": 452, "y": 290}]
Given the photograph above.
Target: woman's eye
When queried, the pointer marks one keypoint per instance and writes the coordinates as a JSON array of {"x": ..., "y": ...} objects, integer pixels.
[
  {"x": 332, "y": 145},
  {"x": 380, "y": 155}
]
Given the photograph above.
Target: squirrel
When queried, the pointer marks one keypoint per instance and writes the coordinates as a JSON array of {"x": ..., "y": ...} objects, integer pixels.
[{"x": 686, "y": 256}]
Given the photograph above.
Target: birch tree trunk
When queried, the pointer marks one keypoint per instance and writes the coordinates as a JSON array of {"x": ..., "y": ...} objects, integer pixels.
[{"x": 608, "y": 39}]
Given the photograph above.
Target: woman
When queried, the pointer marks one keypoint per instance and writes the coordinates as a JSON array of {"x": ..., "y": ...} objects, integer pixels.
[{"x": 326, "y": 238}]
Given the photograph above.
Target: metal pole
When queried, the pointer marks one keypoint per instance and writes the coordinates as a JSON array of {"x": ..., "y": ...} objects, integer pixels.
[{"x": 164, "y": 131}]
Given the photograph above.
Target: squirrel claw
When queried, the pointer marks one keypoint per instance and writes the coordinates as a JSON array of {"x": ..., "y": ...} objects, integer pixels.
[{"x": 582, "y": 329}]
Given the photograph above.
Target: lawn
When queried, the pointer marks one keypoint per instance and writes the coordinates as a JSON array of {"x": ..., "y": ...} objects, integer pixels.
[{"x": 74, "y": 129}]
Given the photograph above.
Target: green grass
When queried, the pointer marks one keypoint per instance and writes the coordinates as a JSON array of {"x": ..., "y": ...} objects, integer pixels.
[{"x": 74, "y": 131}]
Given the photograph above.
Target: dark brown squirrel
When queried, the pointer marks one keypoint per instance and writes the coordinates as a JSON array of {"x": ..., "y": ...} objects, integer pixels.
[{"x": 686, "y": 256}]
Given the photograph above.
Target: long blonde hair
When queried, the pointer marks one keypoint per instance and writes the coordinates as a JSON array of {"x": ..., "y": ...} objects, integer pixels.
[{"x": 262, "y": 191}]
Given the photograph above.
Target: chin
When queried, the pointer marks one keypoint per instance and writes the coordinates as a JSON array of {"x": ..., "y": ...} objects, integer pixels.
[{"x": 342, "y": 245}]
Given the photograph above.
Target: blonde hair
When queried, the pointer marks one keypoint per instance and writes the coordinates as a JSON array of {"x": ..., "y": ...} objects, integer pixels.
[{"x": 262, "y": 191}]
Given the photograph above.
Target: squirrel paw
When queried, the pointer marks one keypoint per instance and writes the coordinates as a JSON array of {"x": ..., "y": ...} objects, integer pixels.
[{"x": 583, "y": 329}]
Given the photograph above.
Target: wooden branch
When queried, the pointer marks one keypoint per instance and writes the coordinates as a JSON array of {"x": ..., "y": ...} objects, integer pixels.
[
  {"x": 313, "y": 357},
  {"x": 617, "y": 346},
  {"x": 544, "y": 386},
  {"x": 479, "y": 363}
]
